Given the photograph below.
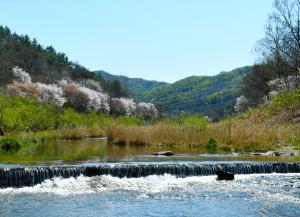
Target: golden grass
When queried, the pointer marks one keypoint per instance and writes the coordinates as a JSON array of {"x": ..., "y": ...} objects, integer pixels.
[{"x": 253, "y": 130}]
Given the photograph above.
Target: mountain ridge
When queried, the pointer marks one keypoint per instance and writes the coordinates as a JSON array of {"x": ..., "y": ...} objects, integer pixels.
[
  {"x": 133, "y": 84},
  {"x": 210, "y": 95}
]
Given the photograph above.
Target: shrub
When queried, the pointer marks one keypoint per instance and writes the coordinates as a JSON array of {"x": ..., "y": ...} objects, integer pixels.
[
  {"x": 51, "y": 93},
  {"x": 122, "y": 106},
  {"x": 241, "y": 104},
  {"x": 9, "y": 145},
  {"x": 20, "y": 75},
  {"x": 70, "y": 119},
  {"x": 76, "y": 98},
  {"x": 211, "y": 145},
  {"x": 146, "y": 110}
]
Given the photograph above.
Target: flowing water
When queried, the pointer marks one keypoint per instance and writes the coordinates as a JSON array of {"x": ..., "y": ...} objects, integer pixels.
[{"x": 95, "y": 178}]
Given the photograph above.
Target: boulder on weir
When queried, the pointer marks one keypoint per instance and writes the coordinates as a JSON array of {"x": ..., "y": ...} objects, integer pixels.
[
  {"x": 165, "y": 153},
  {"x": 222, "y": 175}
]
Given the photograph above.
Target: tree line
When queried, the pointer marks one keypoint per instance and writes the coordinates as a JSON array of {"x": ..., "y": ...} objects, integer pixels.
[
  {"x": 278, "y": 66},
  {"x": 45, "y": 65}
]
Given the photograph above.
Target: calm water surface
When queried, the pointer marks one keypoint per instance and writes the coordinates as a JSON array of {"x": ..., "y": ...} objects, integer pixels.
[
  {"x": 100, "y": 150},
  {"x": 166, "y": 195}
]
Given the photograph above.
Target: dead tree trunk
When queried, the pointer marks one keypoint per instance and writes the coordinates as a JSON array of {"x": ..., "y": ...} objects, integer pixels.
[{"x": 1, "y": 131}]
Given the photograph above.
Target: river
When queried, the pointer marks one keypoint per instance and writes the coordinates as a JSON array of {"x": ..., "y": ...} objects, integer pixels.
[{"x": 129, "y": 181}]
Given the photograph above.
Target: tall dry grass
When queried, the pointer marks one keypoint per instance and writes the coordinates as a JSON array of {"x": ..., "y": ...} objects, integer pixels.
[{"x": 252, "y": 130}]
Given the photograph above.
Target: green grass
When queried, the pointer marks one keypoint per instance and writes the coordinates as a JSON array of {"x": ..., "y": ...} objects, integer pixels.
[{"x": 30, "y": 121}]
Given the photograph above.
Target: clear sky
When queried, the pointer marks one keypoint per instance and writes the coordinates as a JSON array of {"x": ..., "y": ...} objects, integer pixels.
[{"x": 154, "y": 39}]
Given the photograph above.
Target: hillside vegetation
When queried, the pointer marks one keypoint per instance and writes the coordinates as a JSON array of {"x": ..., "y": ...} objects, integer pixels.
[
  {"x": 44, "y": 64},
  {"x": 213, "y": 96},
  {"x": 136, "y": 86},
  {"x": 26, "y": 121}
]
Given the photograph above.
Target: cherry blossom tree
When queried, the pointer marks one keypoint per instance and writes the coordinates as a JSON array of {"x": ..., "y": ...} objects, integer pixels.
[
  {"x": 241, "y": 104},
  {"x": 84, "y": 97}
]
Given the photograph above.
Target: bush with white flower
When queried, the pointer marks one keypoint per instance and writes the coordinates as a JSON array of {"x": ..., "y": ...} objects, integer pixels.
[
  {"x": 51, "y": 93},
  {"x": 85, "y": 97},
  {"x": 241, "y": 104},
  {"x": 21, "y": 76}
]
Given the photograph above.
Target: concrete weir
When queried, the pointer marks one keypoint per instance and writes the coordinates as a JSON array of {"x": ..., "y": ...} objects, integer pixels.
[{"x": 29, "y": 176}]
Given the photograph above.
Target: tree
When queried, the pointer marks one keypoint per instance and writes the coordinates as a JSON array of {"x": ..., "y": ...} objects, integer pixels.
[
  {"x": 76, "y": 98},
  {"x": 255, "y": 84},
  {"x": 282, "y": 38},
  {"x": 241, "y": 104},
  {"x": 279, "y": 52}
]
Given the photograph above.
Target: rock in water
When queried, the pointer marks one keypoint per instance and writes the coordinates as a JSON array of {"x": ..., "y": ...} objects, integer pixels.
[
  {"x": 166, "y": 153},
  {"x": 222, "y": 175}
]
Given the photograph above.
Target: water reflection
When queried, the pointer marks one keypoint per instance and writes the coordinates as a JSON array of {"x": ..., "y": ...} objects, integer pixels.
[{"x": 101, "y": 150}]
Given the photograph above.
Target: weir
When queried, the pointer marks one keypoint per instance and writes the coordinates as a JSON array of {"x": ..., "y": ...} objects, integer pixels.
[{"x": 19, "y": 177}]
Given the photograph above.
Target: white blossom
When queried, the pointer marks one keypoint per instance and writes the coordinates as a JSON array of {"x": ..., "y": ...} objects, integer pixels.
[
  {"x": 146, "y": 109},
  {"x": 66, "y": 90},
  {"x": 51, "y": 93},
  {"x": 21, "y": 76},
  {"x": 92, "y": 84},
  {"x": 241, "y": 104},
  {"x": 98, "y": 101},
  {"x": 281, "y": 85},
  {"x": 129, "y": 105},
  {"x": 63, "y": 82},
  {"x": 123, "y": 106}
]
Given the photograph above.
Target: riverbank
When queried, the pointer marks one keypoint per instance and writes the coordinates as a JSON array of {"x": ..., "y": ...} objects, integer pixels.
[
  {"x": 272, "y": 126},
  {"x": 24, "y": 121}
]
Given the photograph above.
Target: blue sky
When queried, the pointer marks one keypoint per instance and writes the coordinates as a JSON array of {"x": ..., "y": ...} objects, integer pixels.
[{"x": 154, "y": 39}]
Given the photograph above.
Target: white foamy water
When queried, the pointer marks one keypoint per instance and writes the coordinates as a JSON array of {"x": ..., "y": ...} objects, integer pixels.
[
  {"x": 248, "y": 195},
  {"x": 273, "y": 187}
]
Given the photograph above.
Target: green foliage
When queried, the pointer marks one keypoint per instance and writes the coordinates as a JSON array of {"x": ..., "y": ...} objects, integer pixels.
[
  {"x": 211, "y": 145},
  {"x": 128, "y": 121},
  {"x": 136, "y": 86},
  {"x": 284, "y": 103},
  {"x": 70, "y": 119},
  {"x": 31, "y": 121},
  {"x": 8, "y": 144},
  {"x": 196, "y": 120},
  {"x": 23, "y": 114},
  {"x": 211, "y": 95},
  {"x": 287, "y": 98}
]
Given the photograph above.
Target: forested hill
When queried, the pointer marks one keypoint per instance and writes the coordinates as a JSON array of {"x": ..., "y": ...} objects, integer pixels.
[
  {"x": 214, "y": 96},
  {"x": 135, "y": 85},
  {"x": 44, "y": 64}
]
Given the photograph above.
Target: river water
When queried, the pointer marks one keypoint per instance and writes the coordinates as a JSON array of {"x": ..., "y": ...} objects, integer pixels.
[{"x": 272, "y": 194}]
